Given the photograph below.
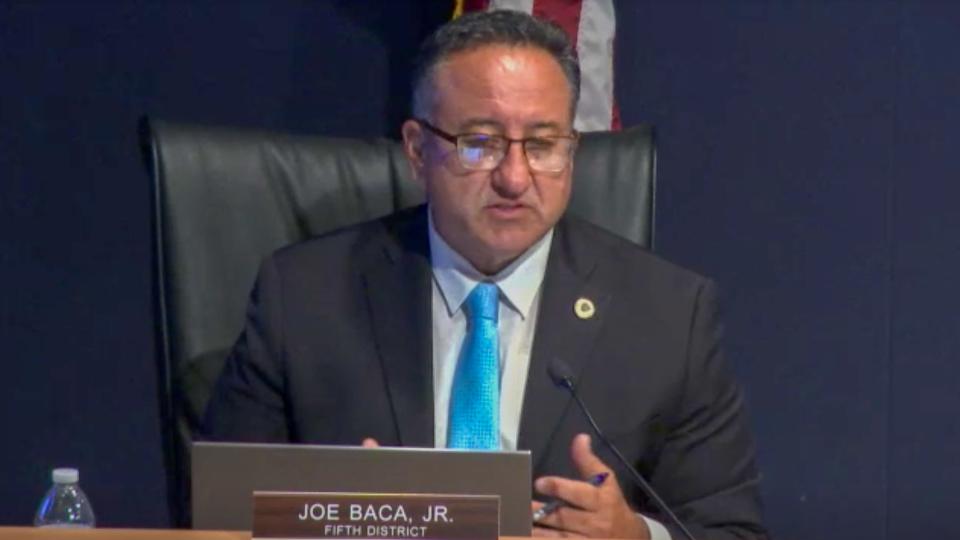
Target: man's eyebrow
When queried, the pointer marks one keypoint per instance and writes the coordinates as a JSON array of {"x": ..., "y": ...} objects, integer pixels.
[
  {"x": 545, "y": 125},
  {"x": 474, "y": 123}
]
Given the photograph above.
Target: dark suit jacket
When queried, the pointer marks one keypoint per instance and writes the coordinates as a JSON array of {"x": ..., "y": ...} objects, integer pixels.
[{"x": 337, "y": 347}]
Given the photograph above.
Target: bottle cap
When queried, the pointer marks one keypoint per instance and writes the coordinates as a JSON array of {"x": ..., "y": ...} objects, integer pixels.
[{"x": 66, "y": 476}]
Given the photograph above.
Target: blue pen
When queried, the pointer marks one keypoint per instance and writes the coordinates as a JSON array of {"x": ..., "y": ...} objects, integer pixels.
[{"x": 554, "y": 505}]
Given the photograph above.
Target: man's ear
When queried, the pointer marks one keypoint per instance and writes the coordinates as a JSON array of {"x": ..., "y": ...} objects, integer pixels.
[{"x": 413, "y": 142}]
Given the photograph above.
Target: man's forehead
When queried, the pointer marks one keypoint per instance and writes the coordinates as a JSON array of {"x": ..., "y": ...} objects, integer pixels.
[{"x": 500, "y": 78}]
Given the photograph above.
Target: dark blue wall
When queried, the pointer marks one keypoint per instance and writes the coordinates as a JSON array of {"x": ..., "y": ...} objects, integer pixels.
[{"x": 807, "y": 161}]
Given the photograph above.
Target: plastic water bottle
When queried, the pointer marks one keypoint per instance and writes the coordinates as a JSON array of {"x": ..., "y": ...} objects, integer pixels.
[{"x": 65, "y": 505}]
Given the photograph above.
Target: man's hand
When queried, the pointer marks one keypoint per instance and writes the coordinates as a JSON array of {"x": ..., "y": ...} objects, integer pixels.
[
  {"x": 370, "y": 443},
  {"x": 596, "y": 512}
]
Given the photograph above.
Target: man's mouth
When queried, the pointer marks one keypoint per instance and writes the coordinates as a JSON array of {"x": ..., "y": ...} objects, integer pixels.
[{"x": 506, "y": 210}]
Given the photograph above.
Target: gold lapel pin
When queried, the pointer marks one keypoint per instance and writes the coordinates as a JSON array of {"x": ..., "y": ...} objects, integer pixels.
[{"x": 584, "y": 308}]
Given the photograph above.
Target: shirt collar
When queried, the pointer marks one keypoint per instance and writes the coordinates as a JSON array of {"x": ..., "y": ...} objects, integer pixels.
[{"x": 518, "y": 282}]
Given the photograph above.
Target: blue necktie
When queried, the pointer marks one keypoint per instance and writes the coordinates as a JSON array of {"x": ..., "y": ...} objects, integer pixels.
[{"x": 474, "y": 420}]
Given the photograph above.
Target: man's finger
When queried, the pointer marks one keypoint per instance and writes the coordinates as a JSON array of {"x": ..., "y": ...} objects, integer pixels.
[
  {"x": 586, "y": 462},
  {"x": 570, "y": 520},
  {"x": 370, "y": 443},
  {"x": 574, "y": 492}
]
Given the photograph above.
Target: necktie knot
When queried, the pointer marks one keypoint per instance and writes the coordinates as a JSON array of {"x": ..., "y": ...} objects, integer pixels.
[{"x": 483, "y": 302}]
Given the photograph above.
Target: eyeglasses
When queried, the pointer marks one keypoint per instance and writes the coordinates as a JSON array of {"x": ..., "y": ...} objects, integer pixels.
[{"x": 483, "y": 152}]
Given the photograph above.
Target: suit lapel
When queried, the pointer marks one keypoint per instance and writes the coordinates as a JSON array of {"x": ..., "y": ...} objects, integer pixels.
[
  {"x": 396, "y": 281},
  {"x": 572, "y": 274}
]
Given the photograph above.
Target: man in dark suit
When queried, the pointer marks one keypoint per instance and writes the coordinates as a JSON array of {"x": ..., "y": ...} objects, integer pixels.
[{"x": 392, "y": 331}]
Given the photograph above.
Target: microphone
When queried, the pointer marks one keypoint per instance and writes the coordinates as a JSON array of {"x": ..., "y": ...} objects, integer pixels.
[{"x": 562, "y": 376}]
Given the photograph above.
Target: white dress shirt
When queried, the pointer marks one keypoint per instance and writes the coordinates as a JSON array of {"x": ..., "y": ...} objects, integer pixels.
[{"x": 519, "y": 285}]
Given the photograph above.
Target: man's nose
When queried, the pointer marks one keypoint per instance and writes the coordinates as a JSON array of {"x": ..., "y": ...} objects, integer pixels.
[{"x": 512, "y": 177}]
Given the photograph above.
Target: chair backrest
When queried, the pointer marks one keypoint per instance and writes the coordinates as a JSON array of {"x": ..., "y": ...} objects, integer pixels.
[{"x": 225, "y": 197}]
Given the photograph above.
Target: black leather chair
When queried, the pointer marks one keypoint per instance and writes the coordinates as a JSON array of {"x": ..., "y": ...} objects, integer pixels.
[{"x": 224, "y": 198}]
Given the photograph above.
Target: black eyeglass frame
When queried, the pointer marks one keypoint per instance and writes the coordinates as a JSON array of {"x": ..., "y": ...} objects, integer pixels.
[{"x": 574, "y": 136}]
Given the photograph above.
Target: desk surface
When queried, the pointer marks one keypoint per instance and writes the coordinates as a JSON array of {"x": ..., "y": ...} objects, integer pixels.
[{"x": 31, "y": 533}]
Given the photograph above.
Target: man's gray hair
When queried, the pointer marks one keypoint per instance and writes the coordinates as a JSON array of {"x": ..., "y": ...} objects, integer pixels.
[{"x": 500, "y": 27}]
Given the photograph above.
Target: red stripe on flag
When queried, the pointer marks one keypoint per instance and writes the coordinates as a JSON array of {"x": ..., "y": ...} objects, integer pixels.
[
  {"x": 475, "y": 5},
  {"x": 565, "y": 13}
]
